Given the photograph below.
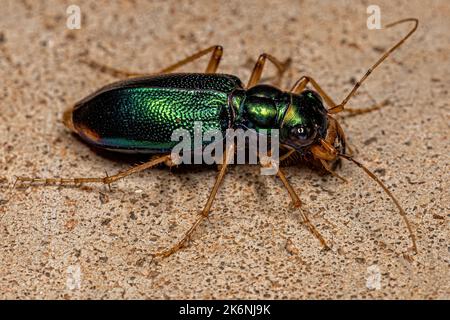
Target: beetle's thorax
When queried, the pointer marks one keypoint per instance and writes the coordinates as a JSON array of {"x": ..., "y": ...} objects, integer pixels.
[
  {"x": 260, "y": 107},
  {"x": 300, "y": 118}
]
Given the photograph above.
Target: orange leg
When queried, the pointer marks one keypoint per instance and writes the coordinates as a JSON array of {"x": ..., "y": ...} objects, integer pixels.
[
  {"x": 259, "y": 67},
  {"x": 205, "y": 212},
  {"x": 297, "y": 203},
  {"x": 301, "y": 84},
  {"x": 105, "y": 180},
  {"x": 214, "y": 61}
]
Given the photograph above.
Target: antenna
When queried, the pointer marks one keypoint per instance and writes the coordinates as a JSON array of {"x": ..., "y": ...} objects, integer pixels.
[
  {"x": 389, "y": 193},
  {"x": 340, "y": 107}
]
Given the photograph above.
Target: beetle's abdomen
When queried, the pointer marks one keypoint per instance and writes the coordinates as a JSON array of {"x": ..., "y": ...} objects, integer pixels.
[{"x": 142, "y": 119}]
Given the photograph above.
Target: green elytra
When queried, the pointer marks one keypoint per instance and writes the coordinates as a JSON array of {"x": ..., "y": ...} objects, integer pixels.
[{"x": 137, "y": 115}]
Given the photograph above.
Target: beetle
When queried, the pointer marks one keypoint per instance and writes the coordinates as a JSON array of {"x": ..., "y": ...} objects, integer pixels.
[{"x": 138, "y": 115}]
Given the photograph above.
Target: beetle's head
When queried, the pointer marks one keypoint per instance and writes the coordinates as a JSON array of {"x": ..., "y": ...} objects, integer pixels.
[
  {"x": 305, "y": 121},
  {"x": 307, "y": 126}
]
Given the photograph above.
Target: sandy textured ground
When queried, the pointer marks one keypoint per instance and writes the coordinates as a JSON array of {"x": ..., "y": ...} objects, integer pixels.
[{"x": 74, "y": 243}]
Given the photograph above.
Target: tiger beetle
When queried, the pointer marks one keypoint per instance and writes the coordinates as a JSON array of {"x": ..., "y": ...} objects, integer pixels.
[{"x": 138, "y": 115}]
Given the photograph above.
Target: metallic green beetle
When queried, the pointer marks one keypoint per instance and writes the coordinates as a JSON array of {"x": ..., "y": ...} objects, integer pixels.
[{"x": 140, "y": 114}]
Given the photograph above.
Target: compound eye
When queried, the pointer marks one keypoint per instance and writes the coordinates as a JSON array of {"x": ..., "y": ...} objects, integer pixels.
[
  {"x": 302, "y": 132},
  {"x": 302, "y": 135}
]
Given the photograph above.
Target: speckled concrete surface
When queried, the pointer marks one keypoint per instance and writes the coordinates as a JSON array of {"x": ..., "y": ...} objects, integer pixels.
[{"x": 70, "y": 243}]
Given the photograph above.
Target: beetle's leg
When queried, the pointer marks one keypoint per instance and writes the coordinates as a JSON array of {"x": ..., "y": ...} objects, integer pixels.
[
  {"x": 105, "y": 180},
  {"x": 376, "y": 106},
  {"x": 205, "y": 212},
  {"x": 328, "y": 168},
  {"x": 301, "y": 83},
  {"x": 259, "y": 67},
  {"x": 216, "y": 55},
  {"x": 298, "y": 203}
]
